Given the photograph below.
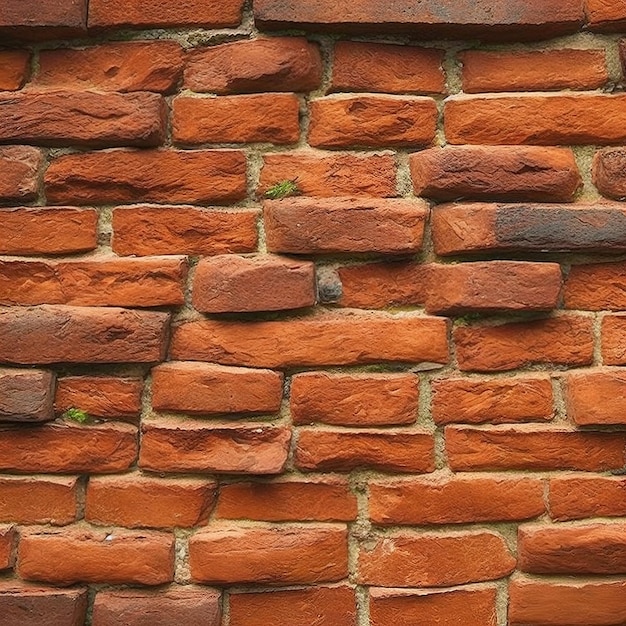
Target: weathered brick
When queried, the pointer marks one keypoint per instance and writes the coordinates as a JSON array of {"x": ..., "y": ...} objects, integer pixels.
[
  {"x": 174, "y": 605},
  {"x": 7, "y": 542},
  {"x": 310, "y": 226},
  {"x": 354, "y": 399},
  {"x": 40, "y": 19},
  {"x": 284, "y": 554},
  {"x": 613, "y": 339},
  {"x": 435, "y": 560},
  {"x": 473, "y": 449},
  {"x": 564, "y": 340},
  {"x": 296, "y": 500},
  {"x": 190, "y": 446},
  {"x": 205, "y": 388},
  {"x": 492, "y": 286},
  {"x": 66, "y": 334},
  {"x": 372, "y": 121},
  {"x": 20, "y": 177},
  {"x": 326, "y": 339},
  {"x": 451, "y": 500},
  {"x": 605, "y": 15},
  {"x": 596, "y": 287},
  {"x": 26, "y": 395},
  {"x": 578, "y": 496},
  {"x": 146, "y": 230},
  {"x": 229, "y": 283},
  {"x": 405, "y": 451},
  {"x": 98, "y": 281},
  {"x": 118, "y": 66},
  {"x": 522, "y": 173},
  {"x": 533, "y": 70},
  {"x": 107, "y": 177},
  {"x": 271, "y": 118},
  {"x": 38, "y": 500},
  {"x": 68, "y": 448},
  {"x": 596, "y": 398},
  {"x": 540, "y": 119},
  {"x": 327, "y": 175},
  {"x": 14, "y": 69},
  {"x": 492, "y": 400},
  {"x": 137, "y": 501},
  {"x": 608, "y": 172},
  {"x": 66, "y": 557},
  {"x": 47, "y": 231},
  {"x": 539, "y": 603},
  {"x": 386, "y": 68}
]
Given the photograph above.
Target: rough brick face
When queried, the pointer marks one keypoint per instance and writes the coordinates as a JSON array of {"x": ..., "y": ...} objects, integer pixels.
[
  {"x": 26, "y": 395},
  {"x": 596, "y": 286},
  {"x": 577, "y": 497},
  {"x": 13, "y": 69},
  {"x": 41, "y": 19},
  {"x": 20, "y": 165},
  {"x": 596, "y": 398},
  {"x": 608, "y": 172}
]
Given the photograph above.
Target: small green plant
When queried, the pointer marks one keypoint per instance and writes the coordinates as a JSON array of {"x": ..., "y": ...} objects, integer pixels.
[
  {"x": 76, "y": 415},
  {"x": 283, "y": 189}
]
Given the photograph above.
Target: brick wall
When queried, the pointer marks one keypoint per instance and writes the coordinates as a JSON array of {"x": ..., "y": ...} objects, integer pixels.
[{"x": 312, "y": 313}]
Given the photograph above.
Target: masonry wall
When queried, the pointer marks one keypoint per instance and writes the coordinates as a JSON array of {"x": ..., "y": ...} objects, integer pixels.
[{"x": 312, "y": 313}]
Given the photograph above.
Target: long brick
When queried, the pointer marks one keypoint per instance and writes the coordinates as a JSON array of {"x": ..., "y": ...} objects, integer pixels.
[
  {"x": 473, "y": 449},
  {"x": 65, "y": 334},
  {"x": 65, "y": 448},
  {"x": 613, "y": 339},
  {"x": 445, "y": 500},
  {"x": 26, "y": 395},
  {"x": 372, "y": 121},
  {"x": 521, "y": 173},
  {"x": 189, "y": 446},
  {"x": 596, "y": 287},
  {"x": 84, "y": 118},
  {"x": 596, "y": 397},
  {"x": 126, "y": 176},
  {"x": 328, "y": 339},
  {"x": 40, "y": 19},
  {"x": 280, "y": 555},
  {"x": 605, "y": 15},
  {"x": 20, "y": 172},
  {"x": 14, "y": 69},
  {"x": 146, "y": 230},
  {"x": 66, "y": 557},
  {"x": 608, "y": 172},
  {"x": 205, "y": 388},
  {"x": 540, "y": 119},
  {"x": 434, "y": 560},
  {"x": 578, "y": 496}
]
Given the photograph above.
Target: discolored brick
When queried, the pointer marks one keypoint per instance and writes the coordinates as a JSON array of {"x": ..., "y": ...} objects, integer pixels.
[{"x": 26, "y": 395}]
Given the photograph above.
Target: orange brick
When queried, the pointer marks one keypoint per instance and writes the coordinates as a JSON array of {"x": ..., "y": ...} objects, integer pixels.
[
  {"x": 14, "y": 69},
  {"x": 614, "y": 339},
  {"x": 578, "y": 496},
  {"x": 596, "y": 397},
  {"x": 605, "y": 15},
  {"x": 608, "y": 172},
  {"x": 596, "y": 287},
  {"x": 20, "y": 172},
  {"x": 7, "y": 541}
]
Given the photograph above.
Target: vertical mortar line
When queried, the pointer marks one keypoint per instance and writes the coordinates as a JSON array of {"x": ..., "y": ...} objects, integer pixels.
[
  {"x": 560, "y": 411},
  {"x": 361, "y": 528},
  {"x": 168, "y": 141},
  {"x": 598, "y": 318},
  {"x": 502, "y": 601},
  {"x": 247, "y": 19},
  {"x": 181, "y": 551},
  {"x": 225, "y": 604},
  {"x": 104, "y": 229},
  {"x": 584, "y": 161},
  {"x": 404, "y": 183},
  {"x": 613, "y": 61}
]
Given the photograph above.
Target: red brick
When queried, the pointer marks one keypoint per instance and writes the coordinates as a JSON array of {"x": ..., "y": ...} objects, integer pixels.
[
  {"x": 322, "y": 606},
  {"x": 608, "y": 172},
  {"x": 146, "y": 230},
  {"x": 540, "y": 119},
  {"x": 64, "y": 334},
  {"x": 205, "y": 388},
  {"x": 20, "y": 172},
  {"x": 622, "y": 51},
  {"x": 327, "y": 175},
  {"x": 596, "y": 398},
  {"x": 563, "y": 340},
  {"x": 434, "y": 560},
  {"x": 533, "y": 70},
  {"x": 462, "y": 19},
  {"x": 523, "y": 173},
  {"x": 564, "y": 549},
  {"x": 7, "y": 541},
  {"x": 174, "y": 605},
  {"x": 38, "y": 500},
  {"x": 26, "y": 395},
  {"x": 100, "y": 396},
  {"x": 98, "y": 281},
  {"x": 107, "y": 177},
  {"x": 605, "y": 15},
  {"x": 284, "y": 554},
  {"x": 492, "y": 400},
  {"x": 386, "y": 68},
  {"x": 232, "y": 283},
  {"x": 578, "y": 603},
  {"x": 614, "y": 339},
  {"x": 119, "y": 66},
  {"x": 297, "y": 500},
  {"x": 68, "y": 448},
  {"x": 345, "y": 121},
  {"x": 451, "y": 500},
  {"x": 407, "y": 608},
  {"x": 47, "y": 231},
  {"x": 65, "y": 557},
  {"x": 190, "y": 446},
  {"x": 472, "y": 449},
  {"x": 311, "y": 226},
  {"x": 576, "y": 497},
  {"x": 14, "y": 69},
  {"x": 382, "y": 285},
  {"x": 136, "y": 501},
  {"x": 354, "y": 399},
  {"x": 28, "y": 605},
  {"x": 492, "y": 286},
  {"x": 405, "y": 451},
  {"x": 108, "y": 14},
  {"x": 326, "y": 339},
  {"x": 40, "y": 19},
  {"x": 596, "y": 287}
]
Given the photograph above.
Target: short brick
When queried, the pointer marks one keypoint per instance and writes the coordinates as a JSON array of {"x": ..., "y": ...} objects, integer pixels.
[
  {"x": 578, "y": 496},
  {"x": 40, "y": 19},
  {"x": 372, "y": 121},
  {"x": 596, "y": 287},
  {"x": 596, "y": 398},
  {"x": 14, "y": 69},
  {"x": 20, "y": 178},
  {"x": 608, "y": 172},
  {"x": 613, "y": 339},
  {"x": 7, "y": 541},
  {"x": 26, "y": 395},
  {"x": 605, "y": 15}
]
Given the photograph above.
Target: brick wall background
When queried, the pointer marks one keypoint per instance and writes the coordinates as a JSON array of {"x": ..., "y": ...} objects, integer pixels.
[{"x": 395, "y": 396}]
